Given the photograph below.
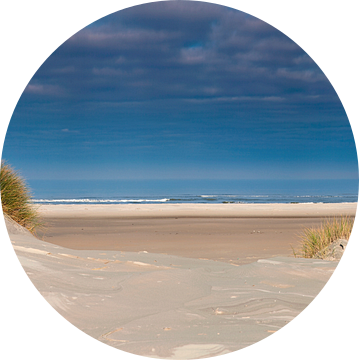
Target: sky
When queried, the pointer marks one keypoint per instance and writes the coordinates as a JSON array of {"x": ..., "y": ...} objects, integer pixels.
[{"x": 180, "y": 90}]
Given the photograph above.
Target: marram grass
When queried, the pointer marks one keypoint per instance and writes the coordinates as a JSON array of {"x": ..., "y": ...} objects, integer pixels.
[
  {"x": 316, "y": 240},
  {"x": 16, "y": 199}
]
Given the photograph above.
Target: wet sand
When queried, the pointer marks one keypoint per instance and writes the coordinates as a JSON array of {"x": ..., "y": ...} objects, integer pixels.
[{"x": 236, "y": 233}]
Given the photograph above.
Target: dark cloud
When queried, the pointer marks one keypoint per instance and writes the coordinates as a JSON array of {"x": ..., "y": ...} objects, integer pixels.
[{"x": 177, "y": 50}]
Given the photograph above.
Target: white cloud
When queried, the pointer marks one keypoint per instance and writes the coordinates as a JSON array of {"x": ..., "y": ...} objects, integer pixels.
[
  {"x": 69, "y": 131},
  {"x": 304, "y": 59},
  {"x": 43, "y": 89},
  {"x": 35, "y": 89},
  {"x": 211, "y": 90},
  {"x": 237, "y": 99},
  {"x": 195, "y": 55},
  {"x": 128, "y": 38},
  {"x": 65, "y": 70},
  {"x": 305, "y": 75},
  {"x": 107, "y": 71},
  {"x": 120, "y": 60}
]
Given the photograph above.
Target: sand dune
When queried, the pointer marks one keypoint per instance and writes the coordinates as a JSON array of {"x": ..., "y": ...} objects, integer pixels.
[{"x": 168, "y": 306}]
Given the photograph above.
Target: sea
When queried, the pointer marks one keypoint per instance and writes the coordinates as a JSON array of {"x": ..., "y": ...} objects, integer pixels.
[{"x": 193, "y": 191}]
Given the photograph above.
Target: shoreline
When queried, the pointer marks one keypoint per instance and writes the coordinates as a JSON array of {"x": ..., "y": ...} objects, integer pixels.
[{"x": 199, "y": 210}]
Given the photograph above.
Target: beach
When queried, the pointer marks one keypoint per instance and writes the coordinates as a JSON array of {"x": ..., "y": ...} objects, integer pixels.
[
  {"x": 179, "y": 103},
  {"x": 237, "y": 233},
  {"x": 175, "y": 281}
]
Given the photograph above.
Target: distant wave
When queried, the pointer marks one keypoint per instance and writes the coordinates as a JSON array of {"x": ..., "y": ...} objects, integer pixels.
[
  {"x": 200, "y": 199},
  {"x": 234, "y": 196},
  {"x": 97, "y": 200}
]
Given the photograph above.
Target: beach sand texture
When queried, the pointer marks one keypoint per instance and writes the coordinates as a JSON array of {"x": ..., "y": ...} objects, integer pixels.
[
  {"x": 237, "y": 233},
  {"x": 170, "y": 306}
]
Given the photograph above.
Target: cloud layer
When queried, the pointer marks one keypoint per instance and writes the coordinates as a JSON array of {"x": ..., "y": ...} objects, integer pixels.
[
  {"x": 181, "y": 87},
  {"x": 176, "y": 50}
]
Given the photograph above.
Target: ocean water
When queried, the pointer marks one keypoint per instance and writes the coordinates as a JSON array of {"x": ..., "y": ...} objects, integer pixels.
[{"x": 193, "y": 191}]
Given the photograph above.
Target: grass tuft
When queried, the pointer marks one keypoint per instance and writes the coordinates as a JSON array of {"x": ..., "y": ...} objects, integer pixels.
[
  {"x": 317, "y": 240},
  {"x": 16, "y": 199}
]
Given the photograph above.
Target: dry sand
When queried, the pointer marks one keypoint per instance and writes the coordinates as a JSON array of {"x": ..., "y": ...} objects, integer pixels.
[
  {"x": 199, "y": 210},
  {"x": 169, "y": 306}
]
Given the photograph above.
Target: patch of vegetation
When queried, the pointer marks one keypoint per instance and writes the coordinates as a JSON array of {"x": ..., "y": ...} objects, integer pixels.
[
  {"x": 16, "y": 199},
  {"x": 316, "y": 240}
]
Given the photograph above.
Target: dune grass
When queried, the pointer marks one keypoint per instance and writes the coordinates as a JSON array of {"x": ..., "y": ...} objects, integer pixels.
[
  {"x": 16, "y": 199},
  {"x": 316, "y": 240}
]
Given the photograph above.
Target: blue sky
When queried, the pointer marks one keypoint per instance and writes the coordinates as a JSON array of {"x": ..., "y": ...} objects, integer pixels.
[{"x": 180, "y": 90}]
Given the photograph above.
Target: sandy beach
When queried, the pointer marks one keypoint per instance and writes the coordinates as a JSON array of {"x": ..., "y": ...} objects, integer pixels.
[
  {"x": 122, "y": 274},
  {"x": 237, "y": 233}
]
